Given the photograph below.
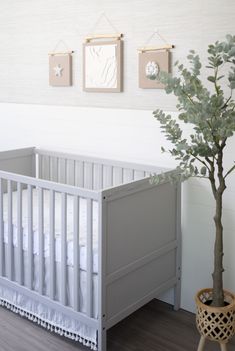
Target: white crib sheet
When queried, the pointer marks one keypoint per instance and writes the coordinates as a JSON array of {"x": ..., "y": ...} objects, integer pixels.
[{"x": 70, "y": 219}]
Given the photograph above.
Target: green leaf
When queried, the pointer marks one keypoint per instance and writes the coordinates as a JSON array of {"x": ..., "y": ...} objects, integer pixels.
[
  {"x": 232, "y": 84},
  {"x": 211, "y": 79},
  {"x": 203, "y": 170}
]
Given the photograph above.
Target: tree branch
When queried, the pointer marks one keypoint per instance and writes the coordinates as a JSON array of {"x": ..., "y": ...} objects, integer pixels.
[
  {"x": 222, "y": 185},
  {"x": 226, "y": 102},
  {"x": 229, "y": 171},
  {"x": 188, "y": 96},
  {"x": 215, "y": 83},
  {"x": 197, "y": 158},
  {"x": 209, "y": 161}
]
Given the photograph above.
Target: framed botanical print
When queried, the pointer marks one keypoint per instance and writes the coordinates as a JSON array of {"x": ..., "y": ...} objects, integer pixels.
[{"x": 102, "y": 66}]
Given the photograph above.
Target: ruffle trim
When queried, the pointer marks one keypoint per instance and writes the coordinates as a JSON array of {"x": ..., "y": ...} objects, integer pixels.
[{"x": 47, "y": 325}]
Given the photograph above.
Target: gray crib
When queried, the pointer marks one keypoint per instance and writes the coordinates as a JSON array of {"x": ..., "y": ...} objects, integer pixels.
[{"x": 84, "y": 242}]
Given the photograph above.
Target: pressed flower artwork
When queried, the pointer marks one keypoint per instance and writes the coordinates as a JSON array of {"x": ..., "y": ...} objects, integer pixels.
[{"x": 151, "y": 63}]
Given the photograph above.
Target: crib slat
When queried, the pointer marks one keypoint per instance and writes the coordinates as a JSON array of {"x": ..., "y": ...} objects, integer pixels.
[
  {"x": 110, "y": 176},
  {"x": 63, "y": 247},
  {"x": 100, "y": 176},
  {"x": 56, "y": 169},
  {"x": 65, "y": 170},
  {"x": 19, "y": 235},
  {"x": 48, "y": 166},
  {"x": 62, "y": 170},
  {"x": 76, "y": 252},
  {"x": 40, "y": 158},
  {"x": 10, "y": 233},
  {"x": 122, "y": 175},
  {"x": 79, "y": 174},
  {"x": 89, "y": 254},
  {"x": 41, "y": 240},
  {"x": 1, "y": 229},
  {"x": 88, "y": 175},
  {"x": 70, "y": 172},
  {"x": 52, "y": 244},
  {"x": 117, "y": 176},
  {"x": 30, "y": 237},
  {"x": 132, "y": 174}
]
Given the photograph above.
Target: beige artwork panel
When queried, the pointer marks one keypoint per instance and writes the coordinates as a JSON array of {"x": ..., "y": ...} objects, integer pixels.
[
  {"x": 150, "y": 65},
  {"x": 60, "y": 70},
  {"x": 102, "y": 66}
]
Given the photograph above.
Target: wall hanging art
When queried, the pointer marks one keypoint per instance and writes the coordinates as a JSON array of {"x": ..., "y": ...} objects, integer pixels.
[
  {"x": 153, "y": 60},
  {"x": 102, "y": 62},
  {"x": 60, "y": 68}
]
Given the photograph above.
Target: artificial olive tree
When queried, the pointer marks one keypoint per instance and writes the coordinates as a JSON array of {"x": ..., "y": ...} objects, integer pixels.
[{"x": 212, "y": 115}]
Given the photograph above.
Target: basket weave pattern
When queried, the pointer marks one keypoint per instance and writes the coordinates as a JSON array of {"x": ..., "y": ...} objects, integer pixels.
[{"x": 215, "y": 323}]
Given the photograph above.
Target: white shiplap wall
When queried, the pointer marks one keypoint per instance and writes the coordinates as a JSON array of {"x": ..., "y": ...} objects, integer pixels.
[{"x": 29, "y": 29}]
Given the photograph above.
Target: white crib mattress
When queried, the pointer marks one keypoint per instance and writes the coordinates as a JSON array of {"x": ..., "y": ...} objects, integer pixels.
[{"x": 70, "y": 221}]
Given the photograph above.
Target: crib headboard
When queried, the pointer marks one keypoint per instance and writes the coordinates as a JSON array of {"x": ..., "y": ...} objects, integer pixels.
[
  {"x": 20, "y": 161},
  {"x": 89, "y": 172}
]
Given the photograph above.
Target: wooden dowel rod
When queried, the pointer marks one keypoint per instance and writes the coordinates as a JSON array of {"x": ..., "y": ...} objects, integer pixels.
[
  {"x": 60, "y": 53},
  {"x": 104, "y": 36},
  {"x": 155, "y": 48}
]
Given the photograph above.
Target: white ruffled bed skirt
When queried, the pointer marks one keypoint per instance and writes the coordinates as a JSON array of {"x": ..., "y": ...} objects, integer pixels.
[{"x": 48, "y": 317}]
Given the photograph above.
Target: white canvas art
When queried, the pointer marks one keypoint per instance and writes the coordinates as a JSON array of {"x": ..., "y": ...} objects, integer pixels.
[{"x": 102, "y": 67}]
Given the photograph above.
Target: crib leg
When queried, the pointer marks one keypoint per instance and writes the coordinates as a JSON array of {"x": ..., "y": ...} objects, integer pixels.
[
  {"x": 102, "y": 339},
  {"x": 177, "y": 292}
]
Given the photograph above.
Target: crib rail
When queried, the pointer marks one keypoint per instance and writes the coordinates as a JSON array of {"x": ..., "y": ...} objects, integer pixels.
[
  {"x": 12, "y": 249},
  {"x": 88, "y": 172}
]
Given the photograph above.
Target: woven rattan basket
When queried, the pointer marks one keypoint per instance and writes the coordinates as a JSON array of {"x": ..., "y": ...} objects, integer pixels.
[{"x": 215, "y": 323}]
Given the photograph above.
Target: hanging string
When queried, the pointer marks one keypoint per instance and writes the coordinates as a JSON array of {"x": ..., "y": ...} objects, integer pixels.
[
  {"x": 155, "y": 33},
  {"x": 103, "y": 15},
  {"x": 61, "y": 42},
  {"x": 117, "y": 35}
]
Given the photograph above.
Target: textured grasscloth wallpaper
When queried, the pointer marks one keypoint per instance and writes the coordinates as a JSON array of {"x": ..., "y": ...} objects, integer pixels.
[{"x": 29, "y": 29}]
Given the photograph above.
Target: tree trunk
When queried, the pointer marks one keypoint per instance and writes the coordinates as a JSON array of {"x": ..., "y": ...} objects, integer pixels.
[{"x": 218, "y": 294}]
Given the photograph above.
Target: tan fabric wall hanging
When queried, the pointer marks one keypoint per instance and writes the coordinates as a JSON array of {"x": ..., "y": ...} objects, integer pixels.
[
  {"x": 60, "y": 69},
  {"x": 152, "y": 61}
]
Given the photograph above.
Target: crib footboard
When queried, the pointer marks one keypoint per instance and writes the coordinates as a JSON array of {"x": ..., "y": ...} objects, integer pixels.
[{"x": 143, "y": 244}]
